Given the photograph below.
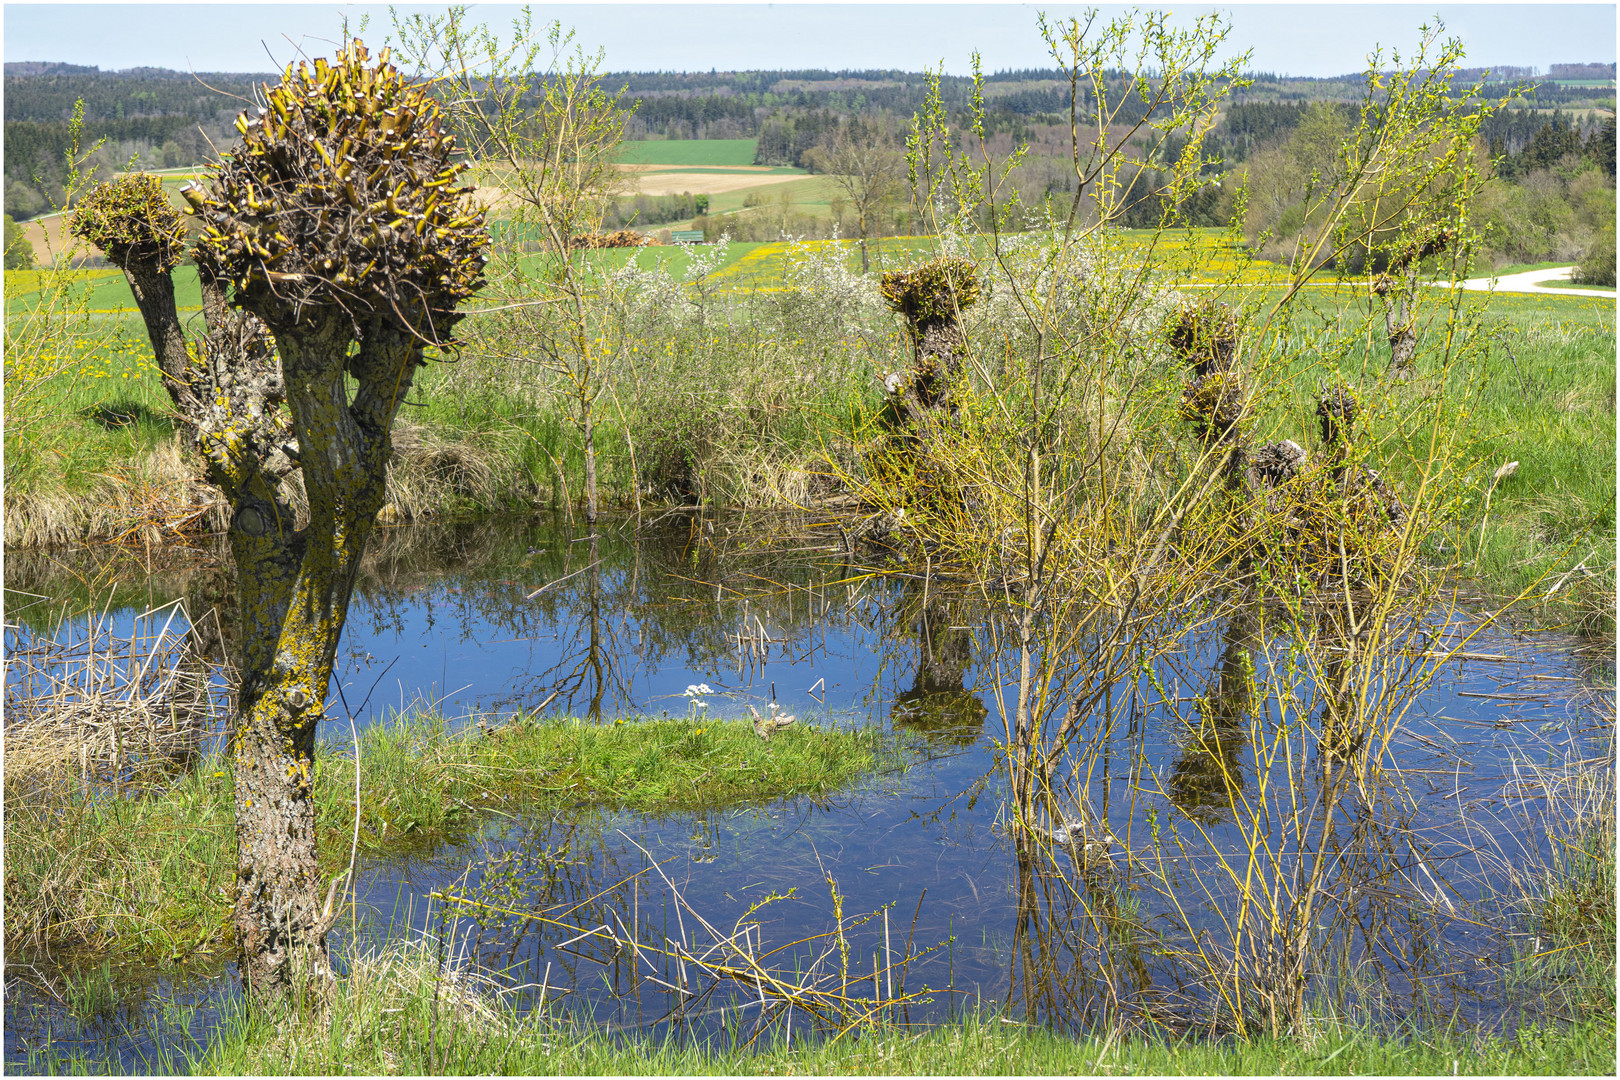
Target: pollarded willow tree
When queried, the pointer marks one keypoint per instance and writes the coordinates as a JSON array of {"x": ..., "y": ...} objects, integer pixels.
[{"x": 334, "y": 250}]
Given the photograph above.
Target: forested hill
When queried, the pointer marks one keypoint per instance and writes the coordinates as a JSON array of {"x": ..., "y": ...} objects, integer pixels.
[
  {"x": 152, "y": 116},
  {"x": 47, "y": 92},
  {"x": 158, "y": 118}
]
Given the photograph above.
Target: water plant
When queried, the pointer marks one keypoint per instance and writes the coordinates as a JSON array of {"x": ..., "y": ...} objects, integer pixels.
[{"x": 547, "y": 132}]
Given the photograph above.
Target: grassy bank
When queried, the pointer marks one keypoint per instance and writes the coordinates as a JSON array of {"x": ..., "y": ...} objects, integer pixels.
[
  {"x": 1542, "y": 395},
  {"x": 150, "y": 875},
  {"x": 741, "y": 380},
  {"x": 977, "y": 1046},
  {"x": 400, "y": 1013}
]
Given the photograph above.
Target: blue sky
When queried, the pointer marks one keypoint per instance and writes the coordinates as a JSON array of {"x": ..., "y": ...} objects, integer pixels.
[{"x": 1297, "y": 38}]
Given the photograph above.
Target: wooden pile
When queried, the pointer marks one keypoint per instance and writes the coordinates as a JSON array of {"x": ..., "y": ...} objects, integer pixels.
[{"x": 620, "y": 239}]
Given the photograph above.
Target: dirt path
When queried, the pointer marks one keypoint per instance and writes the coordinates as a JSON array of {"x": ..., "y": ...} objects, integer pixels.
[{"x": 1529, "y": 282}]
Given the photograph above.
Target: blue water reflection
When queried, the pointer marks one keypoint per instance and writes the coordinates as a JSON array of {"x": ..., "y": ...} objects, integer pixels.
[{"x": 521, "y": 618}]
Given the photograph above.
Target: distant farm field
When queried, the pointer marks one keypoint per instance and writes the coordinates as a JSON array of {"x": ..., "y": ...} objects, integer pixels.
[
  {"x": 688, "y": 152},
  {"x": 711, "y": 181}
]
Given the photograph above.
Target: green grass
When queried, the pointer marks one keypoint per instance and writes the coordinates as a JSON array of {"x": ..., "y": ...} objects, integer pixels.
[
  {"x": 721, "y": 170},
  {"x": 1568, "y": 901},
  {"x": 1565, "y": 283},
  {"x": 418, "y": 777},
  {"x": 150, "y": 876},
  {"x": 806, "y": 194},
  {"x": 83, "y": 447},
  {"x": 673, "y": 259},
  {"x": 106, "y": 291},
  {"x": 688, "y": 152},
  {"x": 1518, "y": 268},
  {"x": 1542, "y": 395},
  {"x": 386, "y": 1012},
  {"x": 1548, "y": 403}
]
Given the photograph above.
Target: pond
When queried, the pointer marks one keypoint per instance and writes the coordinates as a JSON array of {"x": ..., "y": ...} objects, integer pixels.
[{"x": 513, "y": 617}]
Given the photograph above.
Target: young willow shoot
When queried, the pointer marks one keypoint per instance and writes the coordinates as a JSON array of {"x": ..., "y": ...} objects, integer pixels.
[
  {"x": 1122, "y": 463},
  {"x": 545, "y": 133}
]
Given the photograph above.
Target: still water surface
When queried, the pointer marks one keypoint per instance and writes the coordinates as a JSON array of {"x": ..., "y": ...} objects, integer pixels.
[{"x": 503, "y": 618}]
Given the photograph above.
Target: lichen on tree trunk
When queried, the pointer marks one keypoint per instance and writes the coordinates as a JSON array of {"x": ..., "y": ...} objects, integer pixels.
[
  {"x": 280, "y": 919},
  {"x": 341, "y": 287},
  {"x": 1402, "y": 339}
]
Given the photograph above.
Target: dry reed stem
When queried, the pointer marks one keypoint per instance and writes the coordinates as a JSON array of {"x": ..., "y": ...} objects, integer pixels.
[
  {"x": 106, "y": 705},
  {"x": 737, "y": 959}
]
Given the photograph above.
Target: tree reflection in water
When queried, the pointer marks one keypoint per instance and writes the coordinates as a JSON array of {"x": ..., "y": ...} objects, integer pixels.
[{"x": 1170, "y": 761}]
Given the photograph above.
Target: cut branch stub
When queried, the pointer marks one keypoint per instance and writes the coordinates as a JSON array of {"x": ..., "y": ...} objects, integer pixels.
[
  {"x": 131, "y": 221},
  {"x": 1429, "y": 242},
  {"x": 1214, "y": 405},
  {"x": 1276, "y": 463},
  {"x": 342, "y": 193},
  {"x": 1337, "y": 409},
  {"x": 931, "y": 296},
  {"x": 1366, "y": 495},
  {"x": 1205, "y": 335}
]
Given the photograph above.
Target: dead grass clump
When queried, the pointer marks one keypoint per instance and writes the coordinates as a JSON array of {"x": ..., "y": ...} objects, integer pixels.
[
  {"x": 429, "y": 472},
  {"x": 154, "y": 500},
  {"x": 160, "y": 497},
  {"x": 106, "y": 706},
  {"x": 760, "y": 477}
]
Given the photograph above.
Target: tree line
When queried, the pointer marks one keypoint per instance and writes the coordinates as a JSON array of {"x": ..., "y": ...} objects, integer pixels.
[
  {"x": 1545, "y": 203},
  {"x": 160, "y": 118}
]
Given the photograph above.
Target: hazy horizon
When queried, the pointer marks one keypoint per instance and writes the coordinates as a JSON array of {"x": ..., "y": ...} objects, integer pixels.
[{"x": 1299, "y": 40}]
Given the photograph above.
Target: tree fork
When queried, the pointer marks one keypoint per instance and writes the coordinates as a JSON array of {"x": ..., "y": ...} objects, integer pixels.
[{"x": 294, "y": 251}]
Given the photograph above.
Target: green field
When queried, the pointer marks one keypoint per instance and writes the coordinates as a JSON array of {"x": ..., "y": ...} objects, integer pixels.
[
  {"x": 724, "y": 170},
  {"x": 109, "y": 290},
  {"x": 1565, "y": 283},
  {"x": 807, "y": 194},
  {"x": 719, "y": 152}
]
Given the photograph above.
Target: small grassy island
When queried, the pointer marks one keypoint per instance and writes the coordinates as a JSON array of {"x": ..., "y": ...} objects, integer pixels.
[{"x": 149, "y": 877}]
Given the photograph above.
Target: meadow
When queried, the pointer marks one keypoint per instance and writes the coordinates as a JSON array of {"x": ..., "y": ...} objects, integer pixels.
[
  {"x": 756, "y": 378},
  {"x": 714, "y": 152},
  {"x": 1217, "y": 650},
  {"x": 747, "y": 375}
]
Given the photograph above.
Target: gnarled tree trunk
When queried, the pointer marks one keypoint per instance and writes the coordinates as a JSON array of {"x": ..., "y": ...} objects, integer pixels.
[
  {"x": 299, "y": 589},
  {"x": 293, "y": 584},
  {"x": 1402, "y": 338},
  {"x": 337, "y": 229}
]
